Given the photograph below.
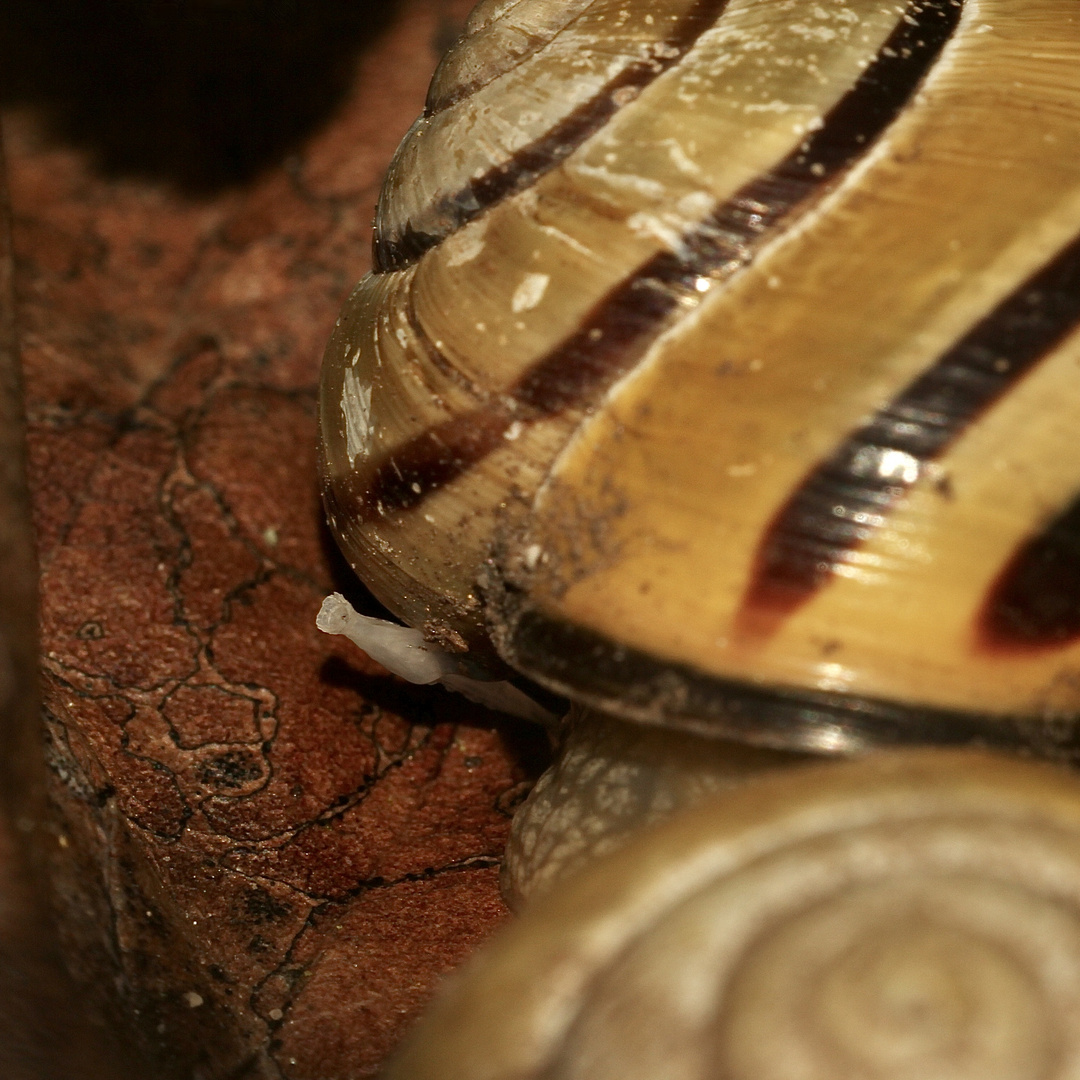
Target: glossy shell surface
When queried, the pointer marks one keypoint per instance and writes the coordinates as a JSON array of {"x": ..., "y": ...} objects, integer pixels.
[
  {"x": 722, "y": 358},
  {"x": 910, "y": 915}
]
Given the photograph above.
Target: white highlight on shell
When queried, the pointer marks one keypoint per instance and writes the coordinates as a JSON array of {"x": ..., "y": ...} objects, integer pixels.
[
  {"x": 622, "y": 183},
  {"x": 695, "y": 205},
  {"x": 885, "y": 463},
  {"x": 529, "y": 293},
  {"x": 834, "y": 677},
  {"x": 774, "y": 106},
  {"x": 668, "y": 229},
  {"x": 681, "y": 160},
  {"x": 743, "y": 469},
  {"x": 670, "y": 226},
  {"x": 464, "y": 246},
  {"x": 356, "y": 408},
  {"x": 404, "y": 652}
]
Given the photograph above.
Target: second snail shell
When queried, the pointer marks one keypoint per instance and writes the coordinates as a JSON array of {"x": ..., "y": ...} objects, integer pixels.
[
  {"x": 911, "y": 916},
  {"x": 719, "y": 366}
]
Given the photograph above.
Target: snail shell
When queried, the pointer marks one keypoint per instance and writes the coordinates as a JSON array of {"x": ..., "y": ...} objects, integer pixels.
[
  {"x": 910, "y": 915},
  {"x": 719, "y": 365}
]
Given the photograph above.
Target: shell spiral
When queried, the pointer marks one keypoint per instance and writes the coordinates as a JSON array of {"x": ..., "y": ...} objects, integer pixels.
[
  {"x": 907, "y": 916},
  {"x": 720, "y": 358}
]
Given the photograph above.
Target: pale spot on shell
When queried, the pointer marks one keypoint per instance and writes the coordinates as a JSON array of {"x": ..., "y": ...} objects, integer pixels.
[
  {"x": 356, "y": 409},
  {"x": 529, "y": 292},
  {"x": 464, "y": 246},
  {"x": 681, "y": 160},
  {"x": 740, "y": 471}
]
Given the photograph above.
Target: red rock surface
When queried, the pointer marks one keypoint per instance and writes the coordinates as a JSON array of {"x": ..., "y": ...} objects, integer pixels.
[{"x": 267, "y": 850}]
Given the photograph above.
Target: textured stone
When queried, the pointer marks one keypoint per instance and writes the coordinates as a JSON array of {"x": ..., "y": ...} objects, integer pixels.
[
  {"x": 266, "y": 850},
  {"x": 44, "y": 1034}
]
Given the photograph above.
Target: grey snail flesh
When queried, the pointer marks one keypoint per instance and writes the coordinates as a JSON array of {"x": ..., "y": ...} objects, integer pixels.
[
  {"x": 908, "y": 915},
  {"x": 719, "y": 366},
  {"x": 611, "y": 779}
]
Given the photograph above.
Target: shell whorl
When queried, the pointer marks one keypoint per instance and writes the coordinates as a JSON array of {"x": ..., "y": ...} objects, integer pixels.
[
  {"x": 491, "y": 99},
  {"x": 735, "y": 342},
  {"x": 900, "y": 917}
]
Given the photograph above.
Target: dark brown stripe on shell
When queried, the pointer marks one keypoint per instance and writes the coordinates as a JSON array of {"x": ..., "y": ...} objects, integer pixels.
[
  {"x": 596, "y": 670},
  {"x": 1035, "y": 602},
  {"x": 844, "y": 500},
  {"x": 623, "y": 325},
  {"x": 529, "y": 163}
]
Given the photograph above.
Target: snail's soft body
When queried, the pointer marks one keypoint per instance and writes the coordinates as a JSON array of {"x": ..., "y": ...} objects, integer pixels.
[
  {"x": 720, "y": 365},
  {"x": 610, "y": 780}
]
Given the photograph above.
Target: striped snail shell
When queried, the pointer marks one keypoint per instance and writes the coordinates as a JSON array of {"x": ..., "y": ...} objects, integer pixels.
[
  {"x": 909, "y": 915},
  {"x": 719, "y": 366}
]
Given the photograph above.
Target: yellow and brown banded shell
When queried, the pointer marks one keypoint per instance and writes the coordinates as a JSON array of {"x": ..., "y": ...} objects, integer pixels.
[
  {"x": 911, "y": 915},
  {"x": 720, "y": 364}
]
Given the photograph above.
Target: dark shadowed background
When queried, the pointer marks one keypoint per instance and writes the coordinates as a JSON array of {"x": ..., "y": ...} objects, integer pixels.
[
  {"x": 265, "y": 850},
  {"x": 205, "y": 93}
]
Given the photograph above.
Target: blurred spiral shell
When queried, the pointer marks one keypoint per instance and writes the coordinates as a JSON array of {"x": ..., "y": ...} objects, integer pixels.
[
  {"x": 719, "y": 365},
  {"x": 907, "y": 916}
]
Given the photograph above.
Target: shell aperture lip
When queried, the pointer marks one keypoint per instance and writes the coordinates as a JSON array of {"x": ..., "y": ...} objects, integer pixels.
[{"x": 570, "y": 659}]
